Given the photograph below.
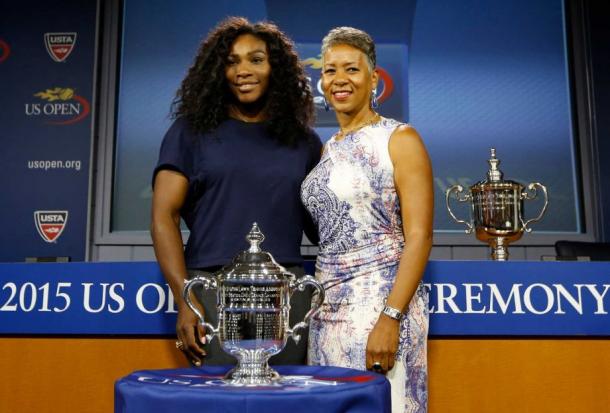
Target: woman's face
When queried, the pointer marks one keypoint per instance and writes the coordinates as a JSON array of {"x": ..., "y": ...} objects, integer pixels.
[
  {"x": 347, "y": 80},
  {"x": 247, "y": 69}
]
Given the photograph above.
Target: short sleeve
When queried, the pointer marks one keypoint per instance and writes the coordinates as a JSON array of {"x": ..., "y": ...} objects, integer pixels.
[{"x": 177, "y": 150}]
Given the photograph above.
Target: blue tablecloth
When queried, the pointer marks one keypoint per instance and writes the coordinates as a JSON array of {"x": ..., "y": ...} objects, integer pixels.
[{"x": 308, "y": 389}]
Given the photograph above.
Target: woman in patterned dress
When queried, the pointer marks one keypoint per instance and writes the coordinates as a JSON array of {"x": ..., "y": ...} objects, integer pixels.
[{"x": 371, "y": 196}]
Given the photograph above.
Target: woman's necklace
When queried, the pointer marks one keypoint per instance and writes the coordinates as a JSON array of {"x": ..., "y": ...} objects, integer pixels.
[{"x": 344, "y": 132}]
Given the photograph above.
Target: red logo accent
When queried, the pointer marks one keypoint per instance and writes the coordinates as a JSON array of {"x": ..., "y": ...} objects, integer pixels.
[
  {"x": 83, "y": 114},
  {"x": 59, "y": 45},
  {"x": 5, "y": 50},
  {"x": 388, "y": 84},
  {"x": 353, "y": 379},
  {"x": 50, "y": 224}
]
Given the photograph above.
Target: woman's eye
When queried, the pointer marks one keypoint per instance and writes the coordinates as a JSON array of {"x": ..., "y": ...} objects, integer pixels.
[
  {"x": 329, "y": 71},
  {"x": 352, "y": 69}
]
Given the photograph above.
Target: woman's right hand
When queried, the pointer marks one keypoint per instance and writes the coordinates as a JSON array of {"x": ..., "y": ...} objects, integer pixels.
[{"x": 192, "y": 334}]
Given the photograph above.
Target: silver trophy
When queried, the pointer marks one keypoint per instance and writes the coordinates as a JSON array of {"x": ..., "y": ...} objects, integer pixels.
[
  {"x": 497, "y": 209},
  {"x": 253, "y": 295}
]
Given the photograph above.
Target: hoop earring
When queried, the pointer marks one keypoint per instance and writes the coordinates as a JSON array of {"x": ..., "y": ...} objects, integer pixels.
[
  {"x": 374, "y": 101},
  {"x": 326, "y": 107}
]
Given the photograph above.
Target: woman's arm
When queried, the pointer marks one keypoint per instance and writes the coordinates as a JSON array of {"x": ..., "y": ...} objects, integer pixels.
[
  {"x": 413, "y": 181},
  {"x": 170, "y": 190}
]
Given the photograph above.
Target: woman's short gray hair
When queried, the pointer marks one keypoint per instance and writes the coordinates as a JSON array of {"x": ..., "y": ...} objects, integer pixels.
[{"x": 350, "y": 36}]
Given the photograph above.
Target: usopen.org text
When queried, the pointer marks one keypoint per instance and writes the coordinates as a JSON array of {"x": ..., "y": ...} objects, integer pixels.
[{"x": 48, "y": 164}]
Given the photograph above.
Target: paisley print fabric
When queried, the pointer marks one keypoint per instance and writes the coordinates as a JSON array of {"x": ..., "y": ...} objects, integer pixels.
[{"x": 352, "y": 198}]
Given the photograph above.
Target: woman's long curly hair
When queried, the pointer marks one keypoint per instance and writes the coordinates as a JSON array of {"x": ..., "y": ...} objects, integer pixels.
[{"x": 204, "y": 96}]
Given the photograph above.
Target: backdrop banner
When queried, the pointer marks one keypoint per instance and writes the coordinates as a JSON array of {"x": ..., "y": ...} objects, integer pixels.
[
  {"x": 46, "y": 118},
  {"x": 467, "y": 298}
]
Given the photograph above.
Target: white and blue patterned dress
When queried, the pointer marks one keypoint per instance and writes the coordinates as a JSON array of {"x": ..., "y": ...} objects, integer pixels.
[{"x": 352, "y": 198}]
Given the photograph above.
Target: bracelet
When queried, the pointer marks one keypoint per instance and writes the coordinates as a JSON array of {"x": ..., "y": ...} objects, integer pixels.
[{"x": 392, "y": 312}]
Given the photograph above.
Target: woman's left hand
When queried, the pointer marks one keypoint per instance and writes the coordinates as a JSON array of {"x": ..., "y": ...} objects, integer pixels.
[{"x": 382, "y": 344}]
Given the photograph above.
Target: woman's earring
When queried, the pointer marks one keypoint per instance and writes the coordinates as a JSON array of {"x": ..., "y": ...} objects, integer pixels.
[
  {"x": 374, "y": 101},
  {"x": 326, "y": 107}
]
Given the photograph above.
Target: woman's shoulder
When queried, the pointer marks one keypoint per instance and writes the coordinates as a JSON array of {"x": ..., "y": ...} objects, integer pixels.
[
  {"x": 179, "y": 127},
  {"x": 406, "y": 143},
  {"x": 405, "y": 130},
  {"x": 181, "y": 136},
  {"x": 394, "y": 125},
  {"x": 397, "y": 128},
  {"x": 384, "y": 129}
]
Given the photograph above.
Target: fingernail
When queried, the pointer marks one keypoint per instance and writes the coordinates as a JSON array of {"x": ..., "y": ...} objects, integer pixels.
[
  {"x": 202, "y": 340},
  {"x": 197, "y": 363}
]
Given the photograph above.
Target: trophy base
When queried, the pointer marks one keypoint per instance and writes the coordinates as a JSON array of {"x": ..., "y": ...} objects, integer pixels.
[
  {"x": 499, "y": 249},
  {"x": 251, "y": 374},
  {"x": 252, "y": 367}
]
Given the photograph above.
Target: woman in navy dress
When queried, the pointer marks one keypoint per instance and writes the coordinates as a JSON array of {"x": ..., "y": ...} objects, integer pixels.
[{"x": 237, "y": 152}]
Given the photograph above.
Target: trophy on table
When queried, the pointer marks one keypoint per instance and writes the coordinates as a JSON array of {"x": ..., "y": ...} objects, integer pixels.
[
  {"x": 253, "y": 295},
  {"x": 496, "y": 207}
]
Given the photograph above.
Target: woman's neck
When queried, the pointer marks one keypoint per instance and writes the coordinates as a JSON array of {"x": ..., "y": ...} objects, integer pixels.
[
  {"x": 349, "y": 121},
  {"x": 252, "y": 113}
]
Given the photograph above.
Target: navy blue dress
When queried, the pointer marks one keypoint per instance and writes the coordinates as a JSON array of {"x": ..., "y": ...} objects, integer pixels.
[{"x": 238, "y": 174}]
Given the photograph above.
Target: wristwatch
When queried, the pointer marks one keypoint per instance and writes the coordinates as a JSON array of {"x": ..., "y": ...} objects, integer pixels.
[{"x": 392, "y": 312}]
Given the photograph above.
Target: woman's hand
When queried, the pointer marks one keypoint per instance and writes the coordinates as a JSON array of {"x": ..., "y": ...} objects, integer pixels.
[
  {"x": 382, "y": 344},
  {"x": 192, "y": 335}
]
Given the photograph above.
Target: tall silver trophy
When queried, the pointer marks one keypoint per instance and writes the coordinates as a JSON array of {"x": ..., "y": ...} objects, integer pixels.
[
  {"x": 253, "y": 295},
  {"x": 496, "y": 207}
]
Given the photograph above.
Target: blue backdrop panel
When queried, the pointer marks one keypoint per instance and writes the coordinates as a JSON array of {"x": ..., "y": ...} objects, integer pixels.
[
  {"x": 479, "y": 74},
  {"x": 46, "y": 101},
  {"x": 466, "y": 298},
  {"x": 495, "y": 74}
]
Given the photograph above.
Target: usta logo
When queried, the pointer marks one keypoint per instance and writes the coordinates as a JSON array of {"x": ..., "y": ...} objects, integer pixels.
[
  {"x": 50, "y": 224},
  {"x": 59, "y": 45}
]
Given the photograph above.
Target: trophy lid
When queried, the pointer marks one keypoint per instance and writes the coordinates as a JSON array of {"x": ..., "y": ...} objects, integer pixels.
[
  {"x": 495, "y": 176},
  {"x": 254, "y": 264}
]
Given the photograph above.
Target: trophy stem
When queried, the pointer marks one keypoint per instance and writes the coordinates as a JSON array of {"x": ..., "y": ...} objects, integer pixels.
[
  {"x": 499, "y": 250},
  {"x": 252, "y": 369}
]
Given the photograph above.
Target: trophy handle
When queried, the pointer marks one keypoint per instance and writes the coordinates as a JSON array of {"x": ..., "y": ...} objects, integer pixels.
[
  {"x": 525, "y": 195},
  {"x": 457, "y": 189},
  {"x": 206, "y": 283},
  {"x": 300, "y": 285}
]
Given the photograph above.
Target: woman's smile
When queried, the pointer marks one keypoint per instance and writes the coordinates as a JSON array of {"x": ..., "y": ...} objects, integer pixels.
[
  {"x": 341, "y": 95},
  {"x": 246, "y": 87}
]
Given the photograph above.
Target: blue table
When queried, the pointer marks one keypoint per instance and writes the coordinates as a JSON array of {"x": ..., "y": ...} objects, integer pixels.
[{"x": 310, "y": 389}]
